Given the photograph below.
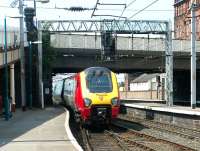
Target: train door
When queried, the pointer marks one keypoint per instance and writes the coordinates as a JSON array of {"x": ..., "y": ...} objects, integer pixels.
[
  {"x": 57, "y": 99},
  {"x": 71, "y": 94},
  {"x": 66, "y": 92}
]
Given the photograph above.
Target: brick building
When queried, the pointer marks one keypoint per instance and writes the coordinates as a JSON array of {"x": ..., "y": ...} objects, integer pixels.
[{"x": 182, "y": 19}]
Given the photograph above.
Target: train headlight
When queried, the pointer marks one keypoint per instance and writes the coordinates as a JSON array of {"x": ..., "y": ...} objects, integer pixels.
[
  {"x": 87, "y": 102},
  {"x": 115, "y": 101}
]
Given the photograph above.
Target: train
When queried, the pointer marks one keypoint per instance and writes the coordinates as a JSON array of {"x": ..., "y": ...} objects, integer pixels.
[{"x": 92, "y": 94}]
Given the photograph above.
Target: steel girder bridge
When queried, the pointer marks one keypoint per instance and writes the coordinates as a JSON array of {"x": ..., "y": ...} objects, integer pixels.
[
  {"x": 116, "y": 26},
  {"x": 121, "y": 27}
]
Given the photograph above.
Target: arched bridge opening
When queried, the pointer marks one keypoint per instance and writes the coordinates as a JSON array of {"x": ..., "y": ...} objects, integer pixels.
[{"x": 108, "y": 55}]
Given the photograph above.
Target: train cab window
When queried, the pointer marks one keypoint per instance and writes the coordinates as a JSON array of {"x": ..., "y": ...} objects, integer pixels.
[{"x": 99, "y": 81}]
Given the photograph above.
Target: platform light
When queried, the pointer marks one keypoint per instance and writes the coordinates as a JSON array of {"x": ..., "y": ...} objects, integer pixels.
[
  {"x": 43, "y": 1},
  {"x": 68, "y": 55},
  {"x": 36, "y": 42}
]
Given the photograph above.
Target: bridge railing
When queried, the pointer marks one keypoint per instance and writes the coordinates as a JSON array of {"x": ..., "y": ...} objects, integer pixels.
[
  {"x": 12, "y": 38},
  {"x": 123, "y": 43},
  {"x": 118, "y": 26},
  {"x": 11, "y": 56},
  {"x": 13, "y": 41}
]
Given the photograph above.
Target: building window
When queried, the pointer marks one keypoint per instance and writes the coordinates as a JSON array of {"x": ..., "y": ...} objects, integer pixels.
[
  {"x": 176, "y": 11},
  {"x": 178, "y": 1}
]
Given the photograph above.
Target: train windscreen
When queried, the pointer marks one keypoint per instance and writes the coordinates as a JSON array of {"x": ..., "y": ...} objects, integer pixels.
[{"x": 99, "y": 81}]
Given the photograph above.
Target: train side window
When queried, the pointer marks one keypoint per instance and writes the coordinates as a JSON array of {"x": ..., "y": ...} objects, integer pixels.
[
  {"x": 66, "y": 91},
  {"x": 70, "y": 84},
  {"x": 72, "y": 87},
  {"x": 69, "y": 87},
  {"x": 54, "y": 90},
  {"x": 64, "y": 87},
  {"x": 58, "y": 88}
]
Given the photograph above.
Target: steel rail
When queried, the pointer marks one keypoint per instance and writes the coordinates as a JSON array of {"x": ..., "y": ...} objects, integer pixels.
[
  {"x": 183, "y": 132},
  {"x": 86, "y": 145},
  {"x": 91, "y": 141},
  {"x": 129, "y": 142},
  {"x": 152, "y": 138}
]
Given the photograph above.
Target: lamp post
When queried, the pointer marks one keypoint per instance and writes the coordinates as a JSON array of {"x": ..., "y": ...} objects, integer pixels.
[
  {"x": 22, "y": 54},
  {"x": 39, "y": 42},
  {"x": 5, "y": 95},
  {"x": 30, "y": 97},
  {"x": 7, "y": 102},
  {"x": 22, "y": 59},
  {"x": 30, "y": 75}
]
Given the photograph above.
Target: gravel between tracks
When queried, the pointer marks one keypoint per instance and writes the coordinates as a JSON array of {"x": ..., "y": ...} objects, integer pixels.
[{"x": 195, "y": 143}]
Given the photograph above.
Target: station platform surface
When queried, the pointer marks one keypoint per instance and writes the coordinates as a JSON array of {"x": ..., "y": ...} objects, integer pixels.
[
  {"x": 37, "y": 130},
  {"x": 151, "y": 105},
  {"x": 124, "y": 100}
]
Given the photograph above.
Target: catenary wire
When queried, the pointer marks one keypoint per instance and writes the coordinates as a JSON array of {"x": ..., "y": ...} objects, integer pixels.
[
  {"x": 125, "y": 7},
  {"x": 144, "y": 8}
]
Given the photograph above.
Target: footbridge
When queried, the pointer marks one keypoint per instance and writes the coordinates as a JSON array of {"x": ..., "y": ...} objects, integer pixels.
[
  {"x": 132, "y": 53},
  {"x": 113, "y": 40},
  {"x": 139, "y": 45}
]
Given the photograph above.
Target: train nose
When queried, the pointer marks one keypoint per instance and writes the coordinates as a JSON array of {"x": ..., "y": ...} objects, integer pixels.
[{"x": 101, "y": 113}]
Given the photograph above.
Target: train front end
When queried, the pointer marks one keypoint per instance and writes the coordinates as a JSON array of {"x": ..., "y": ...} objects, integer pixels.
[{"x": 100, "y": 95}]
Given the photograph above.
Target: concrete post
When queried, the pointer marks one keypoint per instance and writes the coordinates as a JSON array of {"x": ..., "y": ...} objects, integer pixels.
[
  {"x": 193, "y": 58},
  {"x": 40, "y": 84},
  {"x": 169, "y": 67},
  {"x": 126, "y": 82},
  {"x": 12, "y": 86},
  {"x": 22, "y": 62}
]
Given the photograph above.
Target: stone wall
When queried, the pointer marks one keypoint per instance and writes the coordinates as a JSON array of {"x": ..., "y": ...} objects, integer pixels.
[
  {"x": 181, "y": 120},
  {"x": 154, "y": 95}
]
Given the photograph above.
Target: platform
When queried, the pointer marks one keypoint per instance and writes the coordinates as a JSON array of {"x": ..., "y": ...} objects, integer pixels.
[
  {"x": 177, "y": 115},
  {"x": 37, "y": 130},
  {"x": 164, "y": 108},
  {"x": 142, "y": 101}
]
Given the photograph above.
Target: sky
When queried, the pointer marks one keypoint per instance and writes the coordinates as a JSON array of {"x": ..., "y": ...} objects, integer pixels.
[{"x": 160, "y": 10}]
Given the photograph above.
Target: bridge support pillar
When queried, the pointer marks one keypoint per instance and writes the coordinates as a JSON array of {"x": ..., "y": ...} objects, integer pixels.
[
  {"x": 169, "y": 67},
  {"x": 12, "y": 85},
  {"x": 193, "y": 58},
  {"x": 40, "y": 84}
]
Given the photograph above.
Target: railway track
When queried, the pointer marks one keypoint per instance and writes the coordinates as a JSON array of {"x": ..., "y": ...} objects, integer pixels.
[
  {"x": 180, "y": 131},
  {"x": 151, "y": 142},
  {"x": 100, "y": 141},
  {"x": 121, "y": 138}
]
